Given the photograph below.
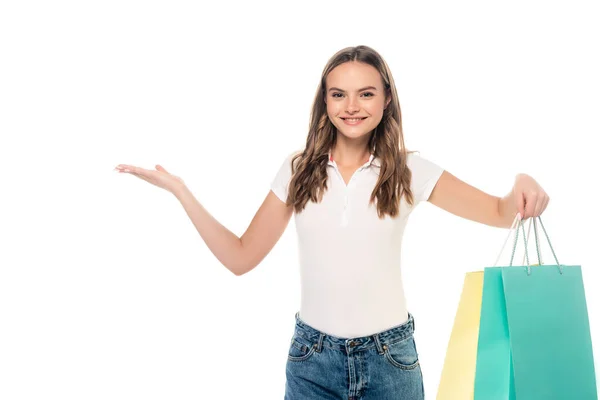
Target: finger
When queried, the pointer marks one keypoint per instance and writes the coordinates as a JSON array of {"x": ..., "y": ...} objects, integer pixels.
[
  {"x": 546, "y": 201},
  {"x": 538, "y": 207},
  {"x": 532, "y": 203},
  {"x": 141, "y": 177},
  {"x": 136, "y": 170},
  {"x": 521, "y": 204},
  {"x": 127, "y": 168},
  {"x": 160, "y": 168},
  {"x": 147, "y": 173}
]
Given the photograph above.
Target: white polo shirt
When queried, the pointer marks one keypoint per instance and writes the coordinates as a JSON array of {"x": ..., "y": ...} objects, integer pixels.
[{"x": 350, "y": 275}]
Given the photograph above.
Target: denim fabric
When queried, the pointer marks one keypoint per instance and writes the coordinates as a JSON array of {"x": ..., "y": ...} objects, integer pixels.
[{"x": 382, "y": 366}]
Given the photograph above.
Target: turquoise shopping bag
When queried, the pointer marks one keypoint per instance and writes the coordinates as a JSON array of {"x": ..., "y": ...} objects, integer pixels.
[{"x": 534, "y": 335}]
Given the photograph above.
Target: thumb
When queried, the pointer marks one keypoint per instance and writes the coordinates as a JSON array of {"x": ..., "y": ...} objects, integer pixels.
[{"x": 160, "y": 168}]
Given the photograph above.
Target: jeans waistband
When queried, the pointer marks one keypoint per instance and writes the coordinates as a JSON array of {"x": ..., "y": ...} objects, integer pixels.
[{"x": 378, "y": 340}]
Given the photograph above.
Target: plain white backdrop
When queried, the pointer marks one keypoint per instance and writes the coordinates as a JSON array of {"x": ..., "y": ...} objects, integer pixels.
[{"x": 106, "y": 289}]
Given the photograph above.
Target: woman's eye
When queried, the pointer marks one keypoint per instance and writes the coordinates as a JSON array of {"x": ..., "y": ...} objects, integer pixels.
[{"x": 366, "y": 94}]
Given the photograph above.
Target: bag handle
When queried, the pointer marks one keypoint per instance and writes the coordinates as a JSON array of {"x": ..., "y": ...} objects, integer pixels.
[
  {"x": 510, "y": 230},
  {"x": 537, "y": 243},
  {"x": 549, "y": 243},
  {"x": 520, "y": 225}
]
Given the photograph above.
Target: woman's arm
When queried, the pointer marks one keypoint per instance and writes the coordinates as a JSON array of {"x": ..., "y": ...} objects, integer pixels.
[
  {"x": 459, "y": 198},
  {"x": 239, "y": 255}
]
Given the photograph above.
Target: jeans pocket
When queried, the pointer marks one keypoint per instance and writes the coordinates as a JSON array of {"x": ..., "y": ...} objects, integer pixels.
[
  {"x": 300, "y": 349},
  {"x": 402, "y": 354}
]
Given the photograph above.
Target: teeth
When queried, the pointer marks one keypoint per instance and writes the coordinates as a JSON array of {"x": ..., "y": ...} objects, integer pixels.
[{"x": 353, "y": 119}]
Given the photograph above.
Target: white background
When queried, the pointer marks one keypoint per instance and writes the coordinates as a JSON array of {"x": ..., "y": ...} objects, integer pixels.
[{"x": 106, "y": 289}]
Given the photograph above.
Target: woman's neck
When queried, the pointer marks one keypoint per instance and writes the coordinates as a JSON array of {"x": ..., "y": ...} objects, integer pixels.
[{"x": 350, "y": 155}]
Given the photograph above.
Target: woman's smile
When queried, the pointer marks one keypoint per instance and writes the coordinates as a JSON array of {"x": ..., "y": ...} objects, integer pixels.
[{"x": 353, "y": 121}]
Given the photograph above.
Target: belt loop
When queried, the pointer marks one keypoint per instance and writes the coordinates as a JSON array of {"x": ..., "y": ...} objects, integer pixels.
[
  {"x": 319, "y": 345},
  {"x": 378, "y": 344}
]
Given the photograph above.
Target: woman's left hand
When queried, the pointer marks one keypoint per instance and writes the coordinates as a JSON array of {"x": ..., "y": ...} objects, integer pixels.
[{"x": 531, "y": 200}]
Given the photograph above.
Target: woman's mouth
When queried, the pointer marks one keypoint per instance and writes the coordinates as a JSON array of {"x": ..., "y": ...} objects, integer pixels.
[{"x": 353, "y": 121}]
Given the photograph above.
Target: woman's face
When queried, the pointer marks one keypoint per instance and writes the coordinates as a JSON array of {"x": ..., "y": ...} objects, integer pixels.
[{"x": 355, "y": 98}]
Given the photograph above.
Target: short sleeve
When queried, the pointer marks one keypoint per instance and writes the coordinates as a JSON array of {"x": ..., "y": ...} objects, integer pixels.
[
  {"x": 425, "y": 175},
  {"x": 280, "y": 184}
]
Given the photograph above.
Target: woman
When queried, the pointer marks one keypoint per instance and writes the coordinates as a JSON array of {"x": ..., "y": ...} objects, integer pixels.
[{"x": 351, "y": 190}]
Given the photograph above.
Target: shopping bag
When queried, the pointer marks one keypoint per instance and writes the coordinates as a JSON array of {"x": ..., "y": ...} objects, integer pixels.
[
  {"x": 534, "y": 337},
  {"x": 458, "y": 372},
  {"x": 493, "y": 372}
]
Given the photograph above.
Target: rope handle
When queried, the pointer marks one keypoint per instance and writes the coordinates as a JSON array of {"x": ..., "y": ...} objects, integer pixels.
[{"x": 525, "y": 238}]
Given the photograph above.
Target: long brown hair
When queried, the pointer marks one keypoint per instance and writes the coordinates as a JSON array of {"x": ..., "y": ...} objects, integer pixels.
[{"x": 309, "y": 167}]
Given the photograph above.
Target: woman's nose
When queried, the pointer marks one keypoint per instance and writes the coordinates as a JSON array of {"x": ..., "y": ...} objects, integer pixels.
[{"x": 352, "y": 105}]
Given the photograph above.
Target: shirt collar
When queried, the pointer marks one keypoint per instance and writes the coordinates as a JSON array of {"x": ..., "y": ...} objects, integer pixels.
[{"x": 372, "y": 159}]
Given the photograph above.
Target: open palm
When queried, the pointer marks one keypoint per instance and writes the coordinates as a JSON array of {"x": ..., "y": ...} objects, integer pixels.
[{"x": 159, "y": 177}]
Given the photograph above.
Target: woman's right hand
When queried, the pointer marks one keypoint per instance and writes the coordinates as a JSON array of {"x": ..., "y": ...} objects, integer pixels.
[{"x": 160, "y": 177}]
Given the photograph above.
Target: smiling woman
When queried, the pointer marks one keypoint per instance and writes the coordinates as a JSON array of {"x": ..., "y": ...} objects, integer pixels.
[{"x": 351, "y": 189}]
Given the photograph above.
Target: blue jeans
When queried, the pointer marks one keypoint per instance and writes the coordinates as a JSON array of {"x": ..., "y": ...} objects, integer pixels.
[{"x": 383, "y": 366}]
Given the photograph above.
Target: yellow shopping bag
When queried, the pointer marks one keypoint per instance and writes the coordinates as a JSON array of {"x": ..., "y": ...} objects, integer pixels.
[{"x": 458, "y": 374}]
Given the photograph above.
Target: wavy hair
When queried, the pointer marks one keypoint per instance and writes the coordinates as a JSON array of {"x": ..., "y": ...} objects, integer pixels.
[{"x": 386, "y": 142}]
